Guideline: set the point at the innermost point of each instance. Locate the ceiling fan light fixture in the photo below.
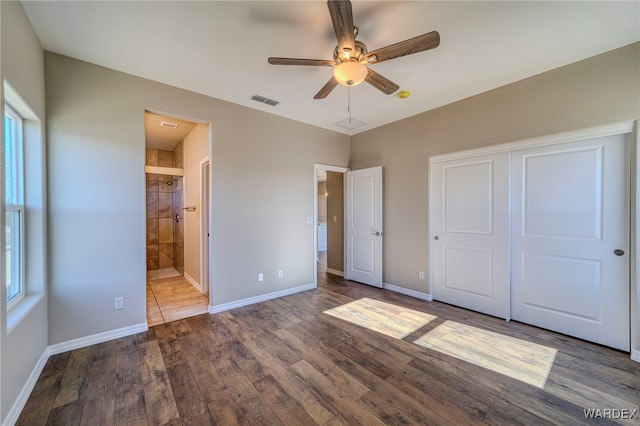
(350, 73)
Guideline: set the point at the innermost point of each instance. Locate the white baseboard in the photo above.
(193, 282)
(23, 396)
(214, 309)
(635, 355)
(335, 272)
(81, 342)
(408, 292)
(58, 348)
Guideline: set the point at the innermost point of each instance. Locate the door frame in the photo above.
(329, 168)
(619, 128)
(205, 206)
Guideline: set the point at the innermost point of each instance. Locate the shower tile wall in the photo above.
(178, 204)
(164, 250)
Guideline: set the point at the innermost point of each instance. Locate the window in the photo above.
(14, 205)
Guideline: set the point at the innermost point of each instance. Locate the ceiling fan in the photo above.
(351, 57)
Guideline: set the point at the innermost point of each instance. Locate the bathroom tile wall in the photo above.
(164, 192)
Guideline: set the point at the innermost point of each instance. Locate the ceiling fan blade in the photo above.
(295, 61)
(342, 18)
(326, 89)
(381, 83)
(413, 45)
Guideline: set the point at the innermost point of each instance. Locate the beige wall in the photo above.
(335, 228)
(196, 148)
(261, 194)
(597, 91)
(22, 67)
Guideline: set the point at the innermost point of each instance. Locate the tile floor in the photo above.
(171, 297)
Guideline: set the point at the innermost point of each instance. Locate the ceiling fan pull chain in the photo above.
(349, 102)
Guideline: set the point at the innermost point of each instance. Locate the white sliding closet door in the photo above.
(570, 239)
(470, 233)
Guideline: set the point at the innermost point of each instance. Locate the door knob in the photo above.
(618, 252)
(377, 234)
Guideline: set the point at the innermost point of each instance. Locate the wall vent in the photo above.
(264, 100)
(168, 124)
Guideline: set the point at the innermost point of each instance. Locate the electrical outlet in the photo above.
(118, 303)
(421, 275)
(280, 273)
(260, 276)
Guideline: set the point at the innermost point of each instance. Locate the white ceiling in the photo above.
(220, 48)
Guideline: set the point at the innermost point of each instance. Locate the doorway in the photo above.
(174, 150)
(328, 221)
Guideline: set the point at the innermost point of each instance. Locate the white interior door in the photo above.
(470, 233)
(364, 226)
(570, 215)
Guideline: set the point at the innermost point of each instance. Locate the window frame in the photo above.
(16, 204)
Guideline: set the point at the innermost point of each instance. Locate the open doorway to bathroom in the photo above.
(175, 287)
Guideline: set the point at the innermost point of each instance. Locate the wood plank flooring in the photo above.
(173, 298)
(344, 353)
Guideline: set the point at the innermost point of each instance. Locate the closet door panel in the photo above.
(470, 231)
(569, 216)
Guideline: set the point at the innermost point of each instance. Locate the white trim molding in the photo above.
(635, 355)
(157, 170)
(408, 292)
(553, 139)
(82, 342)
(23, 396)
(327, 168)
(193, 282)
(58, 348)
(18, 312)
(214, 309)
(205, 221)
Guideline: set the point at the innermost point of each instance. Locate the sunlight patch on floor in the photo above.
(525, 361)
(386, 318)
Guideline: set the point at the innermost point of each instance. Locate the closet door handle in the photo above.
(618, 252)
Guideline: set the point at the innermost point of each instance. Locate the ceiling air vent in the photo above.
(264, 100)
(168, 124)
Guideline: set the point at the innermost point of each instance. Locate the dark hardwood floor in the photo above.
(345, 353)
